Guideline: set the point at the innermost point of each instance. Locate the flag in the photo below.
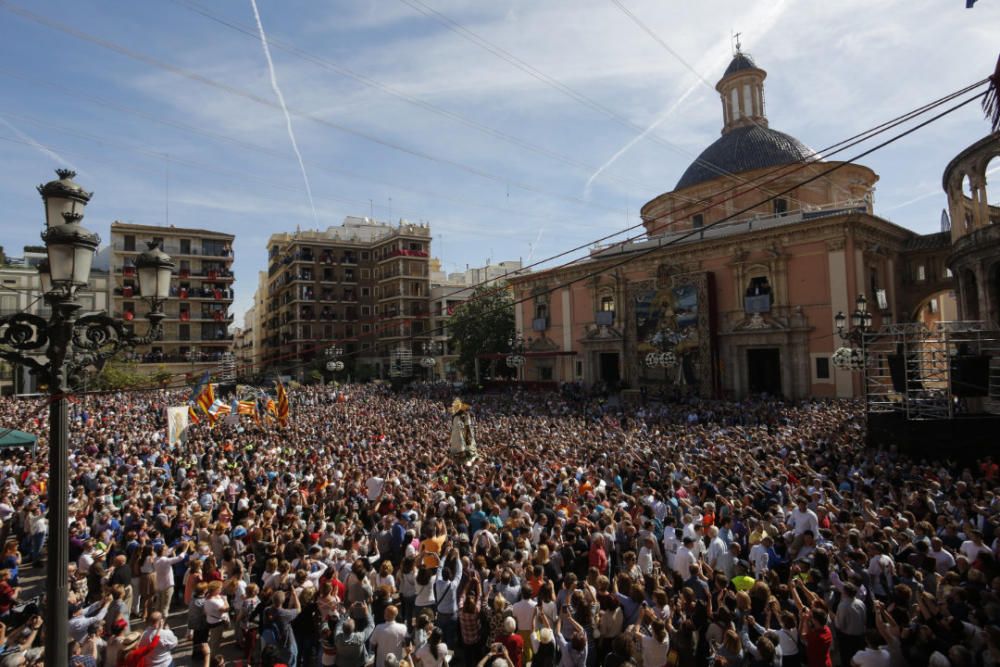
(206, 398)
(177, 424)
(282, 405)
(198, 386)
(246, 408)
(192, 415)
(218, 409)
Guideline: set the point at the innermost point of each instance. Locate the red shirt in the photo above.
(818, 643)
(515, 646)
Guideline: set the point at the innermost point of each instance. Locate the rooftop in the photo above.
(744, 149)
(118, 226)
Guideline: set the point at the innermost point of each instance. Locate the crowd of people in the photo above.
(585, 533)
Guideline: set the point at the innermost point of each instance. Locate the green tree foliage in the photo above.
(482, 325)
(120, 375)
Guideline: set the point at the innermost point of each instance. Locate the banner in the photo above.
(177, 425)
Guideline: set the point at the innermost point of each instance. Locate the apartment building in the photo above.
(448, 292)
(363, 286)
(196, 327)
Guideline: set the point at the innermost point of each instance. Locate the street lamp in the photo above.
(515, 359)
(852, 356)
(71, 344)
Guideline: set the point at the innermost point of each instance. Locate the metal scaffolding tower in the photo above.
(910, 367)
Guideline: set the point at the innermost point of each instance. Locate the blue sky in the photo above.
(435, 127)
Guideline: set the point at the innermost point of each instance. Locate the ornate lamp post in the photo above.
(69, 344)
(333, 364)
(431, 349)
(515, 359)
(852, 356)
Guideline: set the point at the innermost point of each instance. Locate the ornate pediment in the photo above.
(602, 333)
(759, 322)
(542, 345)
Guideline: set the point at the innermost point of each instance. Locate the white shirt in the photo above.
(160, 656)
(427, 660)
(374, 485)
(654, 653)
(803, 521)
(758, 559)
(715, 549)
(683, 562)
(215, 609)
(524, 614)
(670, 546)
(388, 638)
(164, 568)
(871, 657)
(971, 550)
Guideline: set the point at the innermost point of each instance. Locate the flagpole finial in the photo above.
(737, 44)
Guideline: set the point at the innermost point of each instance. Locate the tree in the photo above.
(482, 325)
(118, 375)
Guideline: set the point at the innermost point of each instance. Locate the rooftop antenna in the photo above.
(737, 45)
(166, 189)
(390, 209)
(371, 208)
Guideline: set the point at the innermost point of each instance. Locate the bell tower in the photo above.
(742, 92)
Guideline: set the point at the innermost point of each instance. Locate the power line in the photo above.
(537, 74)
(239, 92)
(341, 70)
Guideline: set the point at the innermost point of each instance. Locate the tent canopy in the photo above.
(12, 438)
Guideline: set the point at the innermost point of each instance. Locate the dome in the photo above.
(741, 61)
(744, 149)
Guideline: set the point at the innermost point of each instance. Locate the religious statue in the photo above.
(463, 436)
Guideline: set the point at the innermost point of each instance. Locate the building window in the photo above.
(365, 292)
(545, 373)
(579, 368)
(932, 306)
(185, 246)
(129, 242)
(608, 303)
(921, 272)
(697, 221)
(366, 311)
(366, 274)
(822, 368)
(365, 255)
(780, 206)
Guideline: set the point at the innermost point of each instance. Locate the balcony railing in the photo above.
(759, 303)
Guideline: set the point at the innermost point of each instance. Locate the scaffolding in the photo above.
(909, 367)
(401, 362)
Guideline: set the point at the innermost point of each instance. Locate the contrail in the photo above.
(534, 246)
(930, 193)
(762, 28)
(42, 149)
(284, 107)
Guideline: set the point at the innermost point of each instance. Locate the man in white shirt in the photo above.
(374, 485)
(670, 543)
(164, 568)
(759, 557)
(974, 546)
(800, 520)
(716, 548)
(684, 560)
(945, 561)
(160, 655)
(389, 637)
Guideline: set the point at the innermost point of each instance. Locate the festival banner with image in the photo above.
(177, 424)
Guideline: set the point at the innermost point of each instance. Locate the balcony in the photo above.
(175, 251)
(759, 303)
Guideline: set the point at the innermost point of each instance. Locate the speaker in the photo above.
(897, 370)
(970, 375)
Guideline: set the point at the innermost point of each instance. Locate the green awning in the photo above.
(11, 438)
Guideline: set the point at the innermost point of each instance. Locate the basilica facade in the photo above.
(735, 286)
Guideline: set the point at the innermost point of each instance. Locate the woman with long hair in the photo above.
(435, 652)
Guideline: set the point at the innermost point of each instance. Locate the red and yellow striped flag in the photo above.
(282, 405)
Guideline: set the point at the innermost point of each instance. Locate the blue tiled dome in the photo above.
(744, 149)
(740, 61)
